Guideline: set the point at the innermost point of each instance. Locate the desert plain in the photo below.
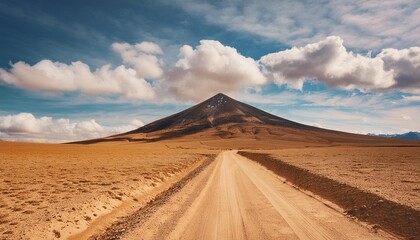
(51, 190)
(61, 191)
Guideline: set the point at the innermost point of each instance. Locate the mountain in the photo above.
(215, 111)
(408, 135)
(221, 121)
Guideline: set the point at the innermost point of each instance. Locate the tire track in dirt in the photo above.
(119, 228)
(237, 198)
(365, 206)
(242, 200)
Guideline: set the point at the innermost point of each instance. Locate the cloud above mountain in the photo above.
(211, 68)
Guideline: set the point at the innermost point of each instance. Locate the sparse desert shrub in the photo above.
(56, 233)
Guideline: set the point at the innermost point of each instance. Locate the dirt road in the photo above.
(235, 198)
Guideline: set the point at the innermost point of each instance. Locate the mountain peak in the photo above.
(216, 102)
(219, 95)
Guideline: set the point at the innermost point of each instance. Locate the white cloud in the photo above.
(328, 61)
(149, 47)
(26, 127)
(365, 24)
(211, 68)
(77, 76)
(405, 64)
(142, 56)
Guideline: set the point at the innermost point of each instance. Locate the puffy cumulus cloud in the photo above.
(211, 68)
(142, 56)
(405, 64)
(77, 76)
(328, 61)
(26, 127)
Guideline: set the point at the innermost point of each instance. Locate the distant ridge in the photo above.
(407, 136)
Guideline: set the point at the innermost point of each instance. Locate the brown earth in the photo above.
(365, 206)
(50, 190)
(235, 198)
(120, 227)
(390, 172)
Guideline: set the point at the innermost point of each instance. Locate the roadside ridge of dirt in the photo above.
(119, 228)
(365, 206)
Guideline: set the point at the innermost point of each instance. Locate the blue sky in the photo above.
(85, 69)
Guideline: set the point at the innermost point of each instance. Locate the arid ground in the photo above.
(390, 172)
(181, 190)
(52, 190)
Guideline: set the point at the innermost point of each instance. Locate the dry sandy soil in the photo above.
(164, 190)
(390, 172)
(236, 198)
(49, 191)
(354, 202)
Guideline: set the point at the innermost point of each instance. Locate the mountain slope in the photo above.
(221, 121)
(217, 110)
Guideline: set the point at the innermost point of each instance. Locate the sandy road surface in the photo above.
(235, 198)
